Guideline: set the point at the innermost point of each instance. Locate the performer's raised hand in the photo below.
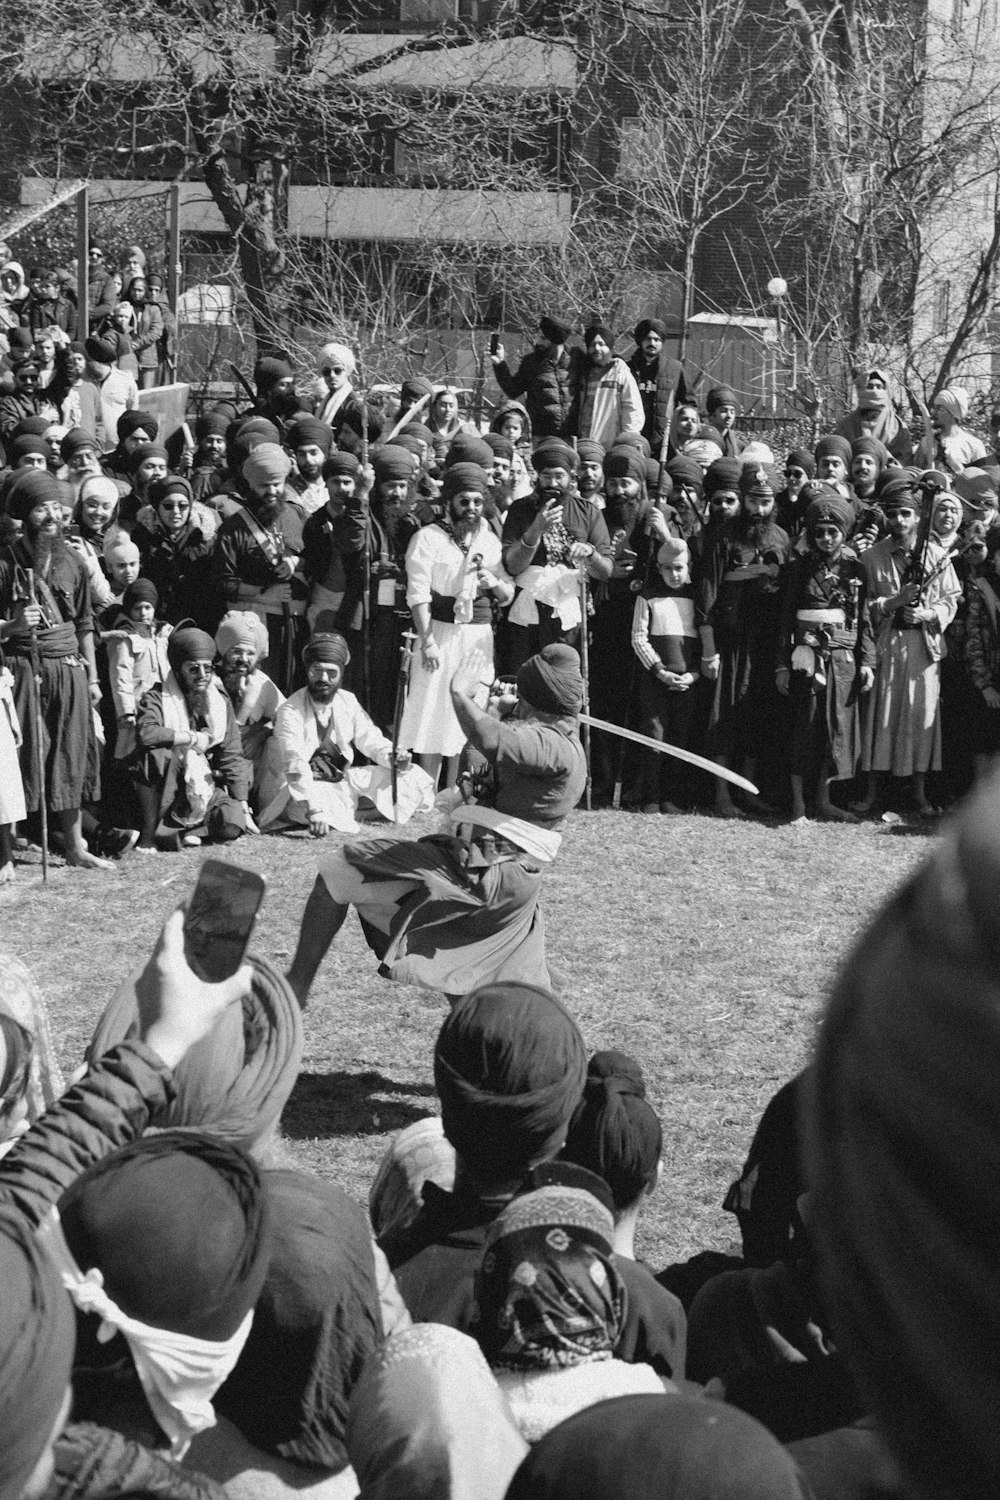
(475, 672)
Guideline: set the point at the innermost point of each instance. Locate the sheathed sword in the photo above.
(402, 685)
(663, 748)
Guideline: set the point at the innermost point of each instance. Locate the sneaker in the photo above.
(191, 841)
(115, 843)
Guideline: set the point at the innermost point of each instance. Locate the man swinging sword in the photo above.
(460, 908)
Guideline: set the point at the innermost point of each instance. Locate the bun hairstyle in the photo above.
(614, 1131)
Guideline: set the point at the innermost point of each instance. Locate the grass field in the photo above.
(704, 948)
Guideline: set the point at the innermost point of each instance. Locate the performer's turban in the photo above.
(552, 681)
(212, 424)
(685, 472)
(509, 1067)
(633, 440)
(239, 627)
(37, 1338)
(266, 462)
(873, 448)
(414, 389)
(268, 371)
(898, 487)
(391, 464)
(589, 452)
(904, 1147)
(467, 448)
(502, 447)
(327, 646)
(759, 479)
(188, 643)
(801, 458)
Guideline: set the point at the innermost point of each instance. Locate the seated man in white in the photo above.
(317, 731)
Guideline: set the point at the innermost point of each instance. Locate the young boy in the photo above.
(590, 474)
(722, 409)
(137, 658)
(665, 639)
(826, 656)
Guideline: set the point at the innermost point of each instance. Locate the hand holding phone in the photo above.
(220, 918)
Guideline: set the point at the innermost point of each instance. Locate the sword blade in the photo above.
(722, 772)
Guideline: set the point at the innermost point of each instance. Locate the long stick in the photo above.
(402, 687)
(244, 382)
(663, 748)
(36, 667)
(366, 606)
(585, 718)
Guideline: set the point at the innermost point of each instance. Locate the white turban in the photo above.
(337, 354)
(954, 399)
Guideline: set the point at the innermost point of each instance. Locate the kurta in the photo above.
(68, 743)
(451, 913)
(825, 611)
(903, 719)
(442, 574)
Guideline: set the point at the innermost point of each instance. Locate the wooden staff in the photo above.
(585, 669)
(36, 667)
(366, 598)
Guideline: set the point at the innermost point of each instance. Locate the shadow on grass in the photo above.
(330, 1104)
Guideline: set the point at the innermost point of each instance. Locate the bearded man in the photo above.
(317, 732)
(276, 398)
(192, 779)
(461, 909)
(47, 628)
(738, 607)
(256, 560)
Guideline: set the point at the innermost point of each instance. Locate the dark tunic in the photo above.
(68, 744)
(369, 549)
(738, 595)
(435, 1261)
(824, 707)
(158, 765)
(582, 522)
(244, 572)
(181, 568)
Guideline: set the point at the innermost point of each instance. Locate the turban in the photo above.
(411, 444)
(170, 484)
(551, 680)
(758, 479)
(872, 401)
(872, 447)
(21, 447)
(704, 451)
(337, 354)
(391, 463)
(28, 488)
(137, 421)
(675, 1447)
(414, 389)
(500, 446)
(903, 1147)
(720, 395)
(633, 440)
(651, 469)
(553, 453)
(830, 509)
(259, 428)
(555, 329)
(466, 447)
(458, 478)
(188, 643)
(75, 441)
(327, 646)
(589, 452)
(672, 550)
(801, 458)
(37, 1338)
(143, 591)
(268, 371)
(140, 1216)
(649, 325)
(306, 431)
(898, 487)
(33, 427)
(625, 463)
(598, 331)
(342, 463)
(723, 474)
(241, 628)
(266, 462)
(954, 399)
(146, 450)
(614, 1132)
(684, 471)
(977, 491)
(832, 445)
(212, 424)
(420, 431)
(101, 350)
(509, 1068)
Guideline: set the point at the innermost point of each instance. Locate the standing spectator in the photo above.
(14, 292)
(608, 400)
(955, 447)
(666, 643)
(660, 379)
(789, 507)
(310, 441)
(147, 332)
(102, 294)
(44, 355)
(45, 308)
(176, 555)
(167, 340)
(335, 394)
(722, 408)
(833, 462)
(25, 400)
(546, 377)
(326, 537)
(105, 392)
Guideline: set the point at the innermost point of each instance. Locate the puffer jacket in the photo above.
(549, 387)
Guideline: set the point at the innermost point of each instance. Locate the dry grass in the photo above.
(703, 948)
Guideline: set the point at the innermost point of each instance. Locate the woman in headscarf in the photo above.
(444, 421)
(427, 1418)
(14, 292)
(550, 1307)
(670, 1448)
(176, 554)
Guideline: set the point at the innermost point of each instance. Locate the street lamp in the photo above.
(777, 287)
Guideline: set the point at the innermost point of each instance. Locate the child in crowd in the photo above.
(666, 641)
(137, 658)
(722, 409)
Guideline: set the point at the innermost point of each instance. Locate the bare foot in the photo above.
(728, 809)
(798, 810)
(829, 812)
(7, 874)
(927, 810)
(84, 860)
(671, 808)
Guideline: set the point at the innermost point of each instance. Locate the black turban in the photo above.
(723, 474)
(342, 463)
(499, 446)
(188, 643)
(898, 487)
(458, 478)
(467, 448)
(615, 1132)
(649, 325)
(830, 509)
(37, 1339)
(177, 1224)
(28, 488)
(414, 389)
(391, 463)
(103, 351)
(556, 329)
(903, 1145)
(146, 450)
(832, 445)
(327, 646)
(212, 424)
(509, 1067)
(305, 431)
(25, 444)
(684, 471)
(598, 330)
(268, 371)
(651, 469)
(759, 479)
(552, 681)
(553, 453)
(633, 440)
(33, 427)
(74, 442)
(419, 430)
(589, 452)
(801, 458)
(625, 463)
(137, 421)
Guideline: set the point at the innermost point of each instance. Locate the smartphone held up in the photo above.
(220, 918)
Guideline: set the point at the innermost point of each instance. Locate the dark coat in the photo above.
(549, 387)
(662, 384)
